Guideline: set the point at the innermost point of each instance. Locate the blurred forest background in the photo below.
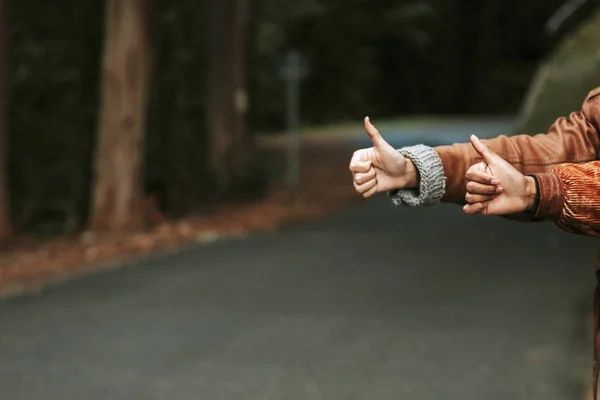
(112, 107)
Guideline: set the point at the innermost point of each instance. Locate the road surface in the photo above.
(435, 132)
(373, 303)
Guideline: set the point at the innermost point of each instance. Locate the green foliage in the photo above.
(53, 103)
(564, 79)
(176, 140)
(393, 57)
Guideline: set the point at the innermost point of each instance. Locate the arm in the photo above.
(569, 195)
(572, 139)
(438, 174)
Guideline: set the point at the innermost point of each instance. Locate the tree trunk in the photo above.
(126, 71)
(5, 225)
(227, 92)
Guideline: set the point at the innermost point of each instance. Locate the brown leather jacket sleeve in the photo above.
(572, 139)
(570, 196)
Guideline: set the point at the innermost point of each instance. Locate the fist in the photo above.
(495, 187)
(380, 168)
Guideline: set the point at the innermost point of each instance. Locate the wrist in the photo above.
(530, 193)
(410, 180)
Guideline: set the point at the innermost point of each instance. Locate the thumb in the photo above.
(484, 151)
(373, 133)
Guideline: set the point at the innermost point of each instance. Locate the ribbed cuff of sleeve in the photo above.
(432, 182)
(552, 196)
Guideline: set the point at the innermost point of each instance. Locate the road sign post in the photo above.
(293, 72)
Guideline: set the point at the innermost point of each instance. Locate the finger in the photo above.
(477, 208)
(373, 133)
(365, 187)
(478, 188)
(484, 151)
(476, 175)
(361, 177)
(478, 198)
(359, 166)
(370, 192)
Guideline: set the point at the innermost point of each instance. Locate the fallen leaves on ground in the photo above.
(325, 187)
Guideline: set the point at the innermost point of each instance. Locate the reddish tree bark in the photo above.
(126, 70)
(5, 225)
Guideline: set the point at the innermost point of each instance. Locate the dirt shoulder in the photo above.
(325, 187)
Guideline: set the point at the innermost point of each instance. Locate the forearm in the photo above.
(573, 140)
(569, 140)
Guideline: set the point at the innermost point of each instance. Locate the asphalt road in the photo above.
(374, 303)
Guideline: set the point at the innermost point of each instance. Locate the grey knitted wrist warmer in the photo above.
(432, 184)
